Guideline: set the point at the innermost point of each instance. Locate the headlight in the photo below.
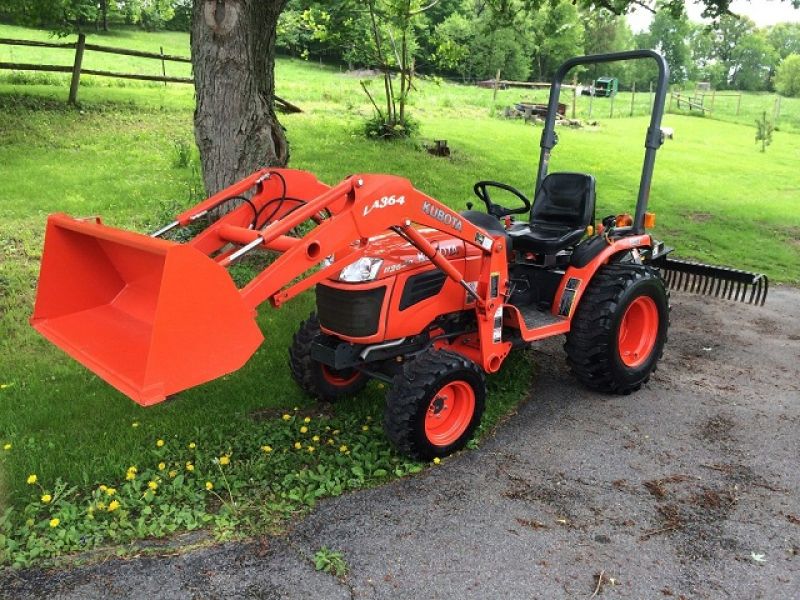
(364, 269)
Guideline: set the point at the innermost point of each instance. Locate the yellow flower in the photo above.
(162, 466)
(311, 448)
(286, 417)
(209, 486)
(32, 479)
(130, 476)
(224, 460)
(55, 522)
(101, 506)
(173, 474)
(365, 428)
(113, 505)
(159, 443)
(369, 418)
(437, 460)
(298, 445)
(47, 498)
(307, 420)
(304, 429)
(152, 485)
(192, 445)
(335, 432)
(330, 441)
(135, 424)
(133, 469)
(111, 491)
(6, 447)
(315, 438)
(29, 522)
(381, 386)
(102, 487)
(189, 467)
(342, 448)
(267, 448)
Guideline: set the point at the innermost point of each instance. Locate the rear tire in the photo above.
(314, 378)
(434, 404)
(619, 329)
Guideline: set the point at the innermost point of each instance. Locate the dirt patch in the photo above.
(700, 217)
(717, 429)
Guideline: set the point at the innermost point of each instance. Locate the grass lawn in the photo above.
(716, 198)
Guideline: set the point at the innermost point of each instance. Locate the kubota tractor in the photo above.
(408, 291)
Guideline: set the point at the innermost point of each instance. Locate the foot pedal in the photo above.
(711, 280)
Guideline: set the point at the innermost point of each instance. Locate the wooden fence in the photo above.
(80, 46)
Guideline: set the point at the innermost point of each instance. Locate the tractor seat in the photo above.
(488, 223)
(562, 210)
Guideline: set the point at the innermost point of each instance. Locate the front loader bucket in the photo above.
(149, 316)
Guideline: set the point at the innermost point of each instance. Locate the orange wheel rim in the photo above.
(449, 413)
(338, 378)
(638, 331)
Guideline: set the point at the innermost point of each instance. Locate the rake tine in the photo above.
(754, 285)
(766, 289)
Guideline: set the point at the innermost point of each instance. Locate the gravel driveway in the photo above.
(687, 489)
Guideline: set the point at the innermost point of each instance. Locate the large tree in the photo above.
(233, 57)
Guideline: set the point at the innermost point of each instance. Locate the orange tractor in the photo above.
(408, 291)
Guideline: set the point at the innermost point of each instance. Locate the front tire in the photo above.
(315, 378)
(619, 329)
(434, 404)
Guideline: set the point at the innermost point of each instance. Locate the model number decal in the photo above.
(384, 202)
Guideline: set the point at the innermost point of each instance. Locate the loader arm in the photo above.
(153, 317)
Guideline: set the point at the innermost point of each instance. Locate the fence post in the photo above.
(76, 69)
(633, 96)
(163, 64)
(574, 93)
(670, 99)
(713, 95)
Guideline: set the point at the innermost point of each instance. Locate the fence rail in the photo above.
(80, 46)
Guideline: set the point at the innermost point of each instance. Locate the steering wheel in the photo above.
(496, 210)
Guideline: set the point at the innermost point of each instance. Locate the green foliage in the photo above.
(787, 77)
(668, 35)
(330, 561)
(377, 127)
(764, 129)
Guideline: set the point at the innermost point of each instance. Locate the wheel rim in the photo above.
(449, 413)
(339, 378)
(638, 331)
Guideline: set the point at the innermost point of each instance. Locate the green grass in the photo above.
(716, 197)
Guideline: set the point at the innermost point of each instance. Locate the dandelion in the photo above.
(365, 428)
(101, 506)
(369, 418)
(297, 445)
(304, 429)
(173, 474)
(162, 466)
(267, 448)
(311, 448)
(189, 467)
(342, 448)
(152, 485)
(135, 424)
(192, 445)
(102, 487)
(330, 442)
(32, 479)
(437, 460)
(286, 417)
(110, 491)
(29, 522)
(209, 486)
(381, 385)
(159, 443)
(113, 505)
(6, 447)
(130, 476)
(55, 522)
(47, 498)
(132, 469)
(336, 432)
(307, 420)
(224, 460)
(315, 438)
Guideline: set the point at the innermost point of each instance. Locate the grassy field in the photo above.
(716, 198)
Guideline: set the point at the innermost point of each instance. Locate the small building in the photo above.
(605, 87)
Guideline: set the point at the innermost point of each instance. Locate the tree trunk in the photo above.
(104, 13)
(233, 59)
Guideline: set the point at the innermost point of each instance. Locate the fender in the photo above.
(576, 278)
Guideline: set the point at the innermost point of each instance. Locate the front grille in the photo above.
(355, 313)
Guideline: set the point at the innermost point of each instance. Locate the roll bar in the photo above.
(652, 142)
